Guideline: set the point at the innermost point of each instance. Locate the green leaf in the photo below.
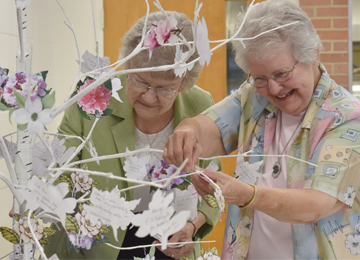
(20, 99)
(81, 207)
(17, 217)
(10, 113)
(48, 231)
(22, 127)
(6, 71)
(108, 84)
(48, 101)
(44, 241)
(10, 235)
(98, 237)
(212, 201)
(4, 107)
(214, 251)
(107, 112)
(185, 258)
(152, 251)
(104, 229)
(202, 251)
(43, 74)
(83, 113)
(96, 184)
(137, 258)
(66, 179)
(71, 225)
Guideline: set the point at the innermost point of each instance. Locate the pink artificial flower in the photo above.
(150, 40)
(163, 31)
(96, 100)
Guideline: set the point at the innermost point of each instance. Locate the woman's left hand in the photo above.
(184, 235)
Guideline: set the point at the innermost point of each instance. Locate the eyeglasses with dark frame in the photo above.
(142, 87)
(280, 76)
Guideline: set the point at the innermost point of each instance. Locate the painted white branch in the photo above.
(8, 161)
(71, 27)
(159, 244)
(43, 256)
(46, 215)
(18, 196)
(77, 150)
(109, 175)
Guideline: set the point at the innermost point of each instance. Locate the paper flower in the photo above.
(82, 181)
(162, 170)
(96, 101)
(160, 33)
(179, 55)
(202, 43)
(116, 86)
(20, 83)
(21, 227)
(80, 241)
(87, 227)
(34, 116)
(213, 254)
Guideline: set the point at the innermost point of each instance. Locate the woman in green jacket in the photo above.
(154, 103)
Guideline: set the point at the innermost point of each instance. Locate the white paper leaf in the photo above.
(212, 167)
(11, 147)
(90, 62)
(247, 172)
(41, 156)
(185, 200)
(179, 55)
(116, 86)
(158, 221)
(136, 167)
(48, 197)
(111, 209)
(202, 43)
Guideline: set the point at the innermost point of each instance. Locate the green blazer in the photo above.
(113, 134)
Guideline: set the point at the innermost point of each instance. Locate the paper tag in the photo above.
(158, 220)
(247, 172)
(136, 167)
(48, 197)
(110, 208)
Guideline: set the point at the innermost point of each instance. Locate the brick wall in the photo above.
(330, 18)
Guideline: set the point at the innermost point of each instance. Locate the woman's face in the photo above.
(293, 96)
(151, 105)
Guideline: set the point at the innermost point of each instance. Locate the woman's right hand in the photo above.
(183, 143)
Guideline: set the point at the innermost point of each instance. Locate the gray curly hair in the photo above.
(302, 37)
(162, 55)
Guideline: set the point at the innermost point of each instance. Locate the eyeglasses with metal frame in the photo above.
(280, 76)
(142, 87)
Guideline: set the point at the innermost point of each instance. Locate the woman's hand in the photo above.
(184, 235)
(181, 145)
(233, 190)
(192, 138)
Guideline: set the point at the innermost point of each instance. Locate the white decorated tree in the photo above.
(38, 159)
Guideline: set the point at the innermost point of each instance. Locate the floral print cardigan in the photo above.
(329, 138)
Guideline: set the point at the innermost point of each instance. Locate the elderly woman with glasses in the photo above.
(153, 104)
(297, 195)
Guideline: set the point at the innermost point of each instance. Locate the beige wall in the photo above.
(53, 50)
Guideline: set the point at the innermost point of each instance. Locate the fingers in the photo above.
(181, 145)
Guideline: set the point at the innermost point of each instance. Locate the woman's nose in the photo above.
(274, 87)
(150, 95)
